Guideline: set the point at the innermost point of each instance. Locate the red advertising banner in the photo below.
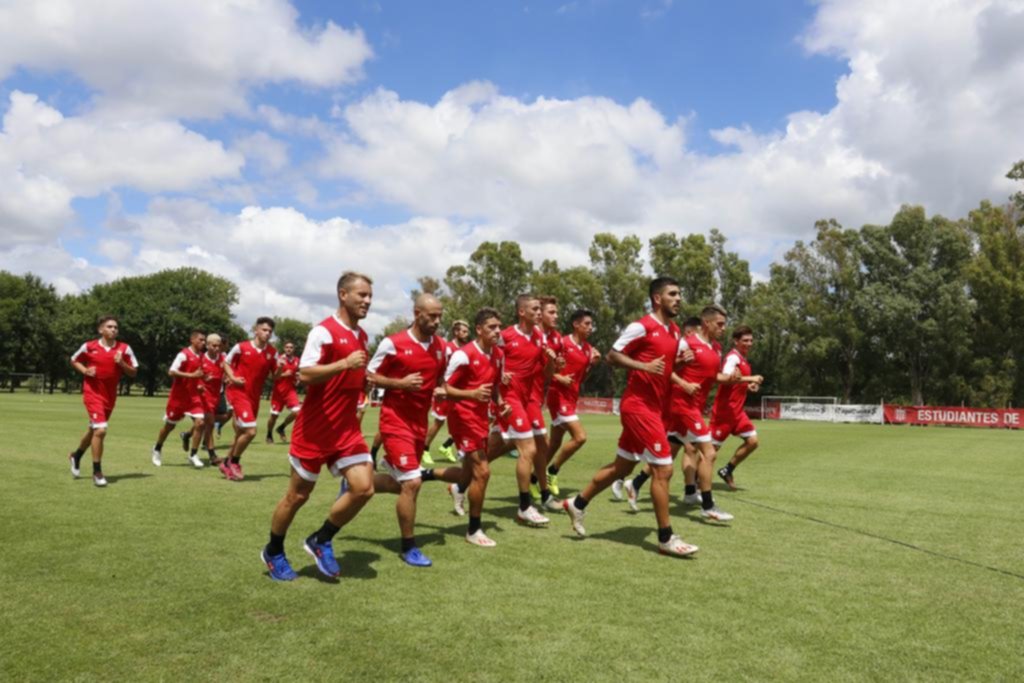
(592, 405)
(1010, 418)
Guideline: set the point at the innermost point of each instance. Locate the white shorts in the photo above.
(335, 469)
(194, 416)
(742, 435)
(690, 437)
(565, 419)
(646, 457)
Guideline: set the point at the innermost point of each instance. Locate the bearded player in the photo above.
(246, 368)
(186, 397)
(727, 416)
(284, 395)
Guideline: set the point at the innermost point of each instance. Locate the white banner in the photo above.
(872, 413)
(831, 412)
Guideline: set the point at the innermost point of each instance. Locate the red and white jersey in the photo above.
(552, 340)
(703, 369)
(253, 364)
(470, 368)
(405, 413)
(183, 388)
(213, 373)
(524, 360)
(646, 340)
(577, 362)
(731, 398)
(94, 354)
(450, 347)
(328, 418)
(287, 364)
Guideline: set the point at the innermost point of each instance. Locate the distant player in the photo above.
(213, 380)
(459, 337)
(408, 366)
(246, 368)
(564, 392)
(101, 363)
(552, 340)
(186, 397)
(327, 433)
(284, 396)
(728, 416)
(648, 349)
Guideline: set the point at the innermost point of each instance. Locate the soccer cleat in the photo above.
(617, 489)
(225, 468)
(236, 471)
(214, 460)
(676, 547)
(458, 499)
(156, 457)
(530, 517)
(99, 480)
(553, 484)
(185, 438)
(425, 459)
(270, 440)
(553, 504)
(449, 453)
(630, 494)
(416, 558)
(196, 462)
(691, 499)
(576, 515)
(280, 434)
(479, 538)
(75, 470)
(716, 514)
(280, 569)
(727, 478)
(323, 554)
(535, 492)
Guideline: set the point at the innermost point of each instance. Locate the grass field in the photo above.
(857, 553)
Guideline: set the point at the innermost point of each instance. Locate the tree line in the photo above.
(923, 310)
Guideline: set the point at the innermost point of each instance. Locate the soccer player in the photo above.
(471, 384)
(526, 362)
(459, 337)
(327, 433)
(552, 341)
(246, 368)
(213, 380)
(186, 397)
(648, 349)
(409, 366)
(689, 397)
(564, 392)
(728, 416)
(286, 378)
(101, 363)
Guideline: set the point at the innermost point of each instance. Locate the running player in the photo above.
(333, 368)
(286, 378)
(101, 363)
(186, 397)
(647, 348)
(459, 337)
(552, 340)
(213, 380)
(409, 366)
(564, 392)
(689, 397)
(246, 368)
(728, 416)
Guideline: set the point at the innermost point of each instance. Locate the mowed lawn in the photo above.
(857, 553)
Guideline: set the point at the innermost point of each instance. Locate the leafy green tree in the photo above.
(732, 276)
(690, 260)
(28, 342)
(617, 266)
(495, 274)
(290, 329)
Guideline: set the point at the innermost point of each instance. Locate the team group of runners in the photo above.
(490, 391)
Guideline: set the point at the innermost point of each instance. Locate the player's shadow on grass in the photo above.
(355, 564)
(258, 477)
(114, 478)
(633, 536)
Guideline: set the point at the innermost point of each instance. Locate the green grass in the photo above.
(158, 577)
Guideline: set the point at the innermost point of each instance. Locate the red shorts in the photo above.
(284, 399)
(352, 451)
(466, 438)
(210, 401)
(244, 408)
(439, 409)
(688, 425)
(99, 410)
(738, 425)
(644, 438)
(402, 455)
(182, 407)
(524, 422)
(562, 409)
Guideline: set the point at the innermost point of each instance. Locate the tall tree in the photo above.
(292, 330)
(690, 260)
(732, 276)
(28, 308)
(618, 268)
(495, 274)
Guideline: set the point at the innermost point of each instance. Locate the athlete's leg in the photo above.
(577, 439)
(294, 498)
(432, 431)
(661, 475)
(744, 451)
(359, 493)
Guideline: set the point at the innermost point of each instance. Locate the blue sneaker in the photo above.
(278, 565)
(323, 553)
(416, 558)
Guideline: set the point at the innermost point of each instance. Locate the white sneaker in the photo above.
(530, 517)
(692, 499)
(617, 489)
(553, 504)
(676, 547)
(576, 515)
(630, 494)
(481, 539)
(156, 458)
(716, 514)
(196, 462)
(99, 480)
(75, 470)
(458, 501)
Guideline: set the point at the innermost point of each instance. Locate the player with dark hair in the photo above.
(327, 433)
(648, 349)
(728, 416)
(246, 367)
(101, 363)
(284, 396)
(458, 337)
(213, 381)
(186, 397)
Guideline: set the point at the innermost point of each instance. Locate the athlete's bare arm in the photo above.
(317, 374)
(655, 367)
